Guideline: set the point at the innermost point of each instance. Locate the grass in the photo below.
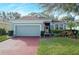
(59, 46)
(3, 38)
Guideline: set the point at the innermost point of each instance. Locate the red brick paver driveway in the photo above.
(20, 46)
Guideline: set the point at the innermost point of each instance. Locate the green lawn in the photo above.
(59, 46)
(3, 38)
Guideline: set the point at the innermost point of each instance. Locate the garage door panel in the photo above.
(28, 30)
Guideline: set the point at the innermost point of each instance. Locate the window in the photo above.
(56, 26)
(52, 27)
(61, 26)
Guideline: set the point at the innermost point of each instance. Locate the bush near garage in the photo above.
(3, 35)
(10, 33)
(2, 31)
(42, 33)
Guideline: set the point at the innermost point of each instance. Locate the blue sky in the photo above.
(22, 8)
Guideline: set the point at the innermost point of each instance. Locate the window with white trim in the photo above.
(56, 26)
(61, 26)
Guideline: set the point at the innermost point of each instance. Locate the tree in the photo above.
(46, 15)
(70, 21)
(71, 25)
(16, 15)
(4, 15)
(10, 15)
(41, 14)
(68, 18)
(67, 7)
(33, 14)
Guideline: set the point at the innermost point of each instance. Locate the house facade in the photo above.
(33, 27)
(58, 25)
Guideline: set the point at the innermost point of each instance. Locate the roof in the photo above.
(28, 17)
(58, 21)
(30, 21)
(36, 21)
(32, 18)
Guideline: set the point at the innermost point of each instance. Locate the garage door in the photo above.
(27, 30)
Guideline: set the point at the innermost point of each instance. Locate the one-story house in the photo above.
(33, 27)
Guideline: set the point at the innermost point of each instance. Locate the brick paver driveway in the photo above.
(20, 46)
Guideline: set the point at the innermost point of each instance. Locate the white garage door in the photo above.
(27, 30)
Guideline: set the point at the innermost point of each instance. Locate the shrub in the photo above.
(42, 33)
(78, 34)
(10, 33)
(2, 31)
(57, 31)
